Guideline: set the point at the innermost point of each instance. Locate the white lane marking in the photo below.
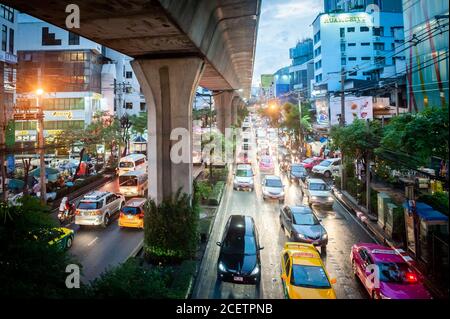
(93, 241)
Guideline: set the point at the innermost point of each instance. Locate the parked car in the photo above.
(303, 273)
(302, 225)
(317, 192)
(273, 188)
(327, 167)
(132, 214)
(297, 172)
(266, 164)
(310, 162)
(97, 208)
(396, 278)
(239, 259)
(243, 177)
(60, 237)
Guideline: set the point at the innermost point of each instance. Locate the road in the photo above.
(97, 249)
(343, 231)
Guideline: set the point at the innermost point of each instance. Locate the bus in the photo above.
(133, 183)
(132, 162)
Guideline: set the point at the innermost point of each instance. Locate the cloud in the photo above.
(282, 24)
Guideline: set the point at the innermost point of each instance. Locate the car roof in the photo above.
(241, 224)
(136, 202)
(134, 173)
(272, 177)
(243, 166)
(332, 159)
(316, 180)
(303, 254)
(301, 209)
(95, 195)
(382, 253)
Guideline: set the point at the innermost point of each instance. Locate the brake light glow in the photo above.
(411, 277)
(141, 215)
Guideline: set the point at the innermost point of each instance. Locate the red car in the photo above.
(310, 162)
(385, 273)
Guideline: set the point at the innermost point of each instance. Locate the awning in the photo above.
(427, 213)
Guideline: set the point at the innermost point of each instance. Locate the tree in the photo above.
(139, 123)
(410, 140)
(298, 127)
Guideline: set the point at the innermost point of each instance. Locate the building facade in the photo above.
(301, 71)
(426, 25)
(339, 6)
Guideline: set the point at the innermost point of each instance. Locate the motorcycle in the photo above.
(66, 215)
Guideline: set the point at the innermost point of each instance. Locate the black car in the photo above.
(297, 172)
(303, 226)
(239, 260)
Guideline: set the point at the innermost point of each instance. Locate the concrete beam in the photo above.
(223, 106)
(169, 87)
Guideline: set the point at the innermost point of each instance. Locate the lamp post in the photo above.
(40, 129)
(125, 124)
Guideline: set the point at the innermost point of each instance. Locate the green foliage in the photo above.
(411, 139)
(131, 280)
(171, 229)
(29, 266)
(216, 194)
(439, 201)
(202, 190)
(139, 123)
(358, 139)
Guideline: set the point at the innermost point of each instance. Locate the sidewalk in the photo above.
(370, 222)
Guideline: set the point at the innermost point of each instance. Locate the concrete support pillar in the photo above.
(234, 107)
(223, 103)
(169, 87)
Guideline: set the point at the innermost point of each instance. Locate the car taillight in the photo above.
(411, 277)
(141, 215)
(121, 214)
(98, 212)
(77, 212)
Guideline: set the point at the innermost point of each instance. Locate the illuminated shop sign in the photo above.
(344, 18)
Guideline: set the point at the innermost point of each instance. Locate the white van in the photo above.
(133, 183)
(132, 162)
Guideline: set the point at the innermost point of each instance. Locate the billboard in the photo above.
(266, 80)
(322, 114)
(360, 107)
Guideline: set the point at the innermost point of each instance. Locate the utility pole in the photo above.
(342, 123)
(300, 131)
(40, 129)
(396, 99)
(368, 175)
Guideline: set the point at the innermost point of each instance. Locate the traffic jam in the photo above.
(381, 272)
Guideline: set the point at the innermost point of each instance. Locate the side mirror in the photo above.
(284, 277)
(333, 281)
(219, 243)
(261, 248)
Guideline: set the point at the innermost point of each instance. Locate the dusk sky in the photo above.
(282, 24)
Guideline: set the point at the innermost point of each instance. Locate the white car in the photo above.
(317, 192)
(273, 188)
(97, 208)
(243, 177)
(327, 167)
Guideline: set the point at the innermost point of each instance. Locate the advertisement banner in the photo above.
(266, 80)
(360, 107)
(323, 117)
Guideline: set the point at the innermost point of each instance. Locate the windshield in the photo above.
(130, 210)
(309, 277)
(127, 181)
(244, 173)
(393, 272)
(305, 219)
(126, 164)
(89, 205)
(317, 187)
(273, 183)
(325, 163)
(297, 168)
(308, 161)
(266, 160)
(243, 245)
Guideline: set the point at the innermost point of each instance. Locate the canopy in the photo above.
(16, 184)
(48, 171)
(427, 213)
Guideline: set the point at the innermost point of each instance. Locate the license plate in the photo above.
(238, 279)
(130, 216)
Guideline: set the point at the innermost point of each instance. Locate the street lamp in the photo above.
(40, 129)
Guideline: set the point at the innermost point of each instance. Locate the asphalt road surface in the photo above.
(97, 249)
(343, 231)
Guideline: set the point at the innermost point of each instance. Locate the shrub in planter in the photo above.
(202, 190)
(216, 194)
(171, 229)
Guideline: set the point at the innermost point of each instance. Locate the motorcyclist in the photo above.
(65, 206)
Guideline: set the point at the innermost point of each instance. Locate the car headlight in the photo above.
(325, 236)
(301, 236)
(255, 271)
(222, 267)
(313, 197)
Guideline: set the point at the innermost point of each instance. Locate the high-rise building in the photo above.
(426, 26)
(302, 68)
(339, 6)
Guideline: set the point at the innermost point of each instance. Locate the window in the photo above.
(378, 31)
(62, 125)
(74, 39)
(317, 37)
(4, 37)
(343, 61)
(143, 106)
(342, 32)
(128, 105)
(286, 263)
(352, 58)
(354, 73)
(365, 44)
(318, 64)
(378, 46)
(350, 29)
(364, 29)
(342, 46)
(11, 41)
(7, 13)
(352, 44)
(129, 74)
(365, 58)
(49, 38)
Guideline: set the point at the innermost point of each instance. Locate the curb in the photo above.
(136, 250)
